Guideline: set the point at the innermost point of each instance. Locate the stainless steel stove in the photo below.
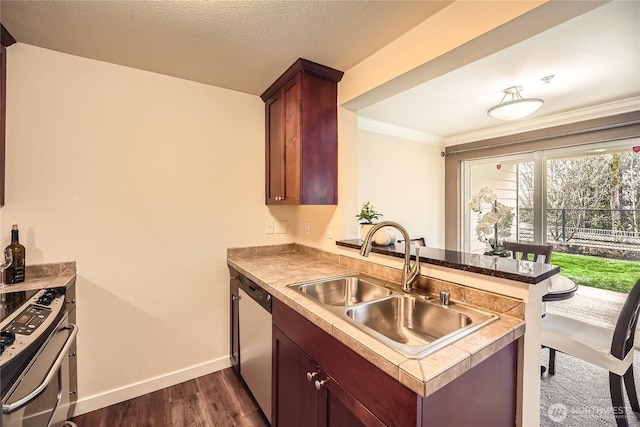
(37, 357)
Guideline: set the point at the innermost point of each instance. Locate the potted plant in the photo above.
(367, 218)
(494, 223)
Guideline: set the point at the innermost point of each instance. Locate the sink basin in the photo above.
(343, 291)
(409, 321)
(412, 324)
(414, 327)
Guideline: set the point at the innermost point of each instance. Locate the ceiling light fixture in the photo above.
(515, 108)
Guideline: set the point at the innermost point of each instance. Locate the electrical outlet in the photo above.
(330, 231)
(307, 228)
(282, 227)
(269, 227)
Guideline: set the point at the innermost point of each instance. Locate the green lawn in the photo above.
(603, 273)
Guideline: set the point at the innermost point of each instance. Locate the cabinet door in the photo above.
(294, 397)
(283, 145)
(338, 408)
(274, 150)
(3, 95)
(292, 105)
(234, 351)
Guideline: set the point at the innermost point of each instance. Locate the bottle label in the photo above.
(18, 274)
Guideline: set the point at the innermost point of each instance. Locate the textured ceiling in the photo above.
(246, 45)
(239, 45)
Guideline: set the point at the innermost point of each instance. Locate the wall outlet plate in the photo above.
(269, 227)
(282, 227)
(307, 228)
(330, 231)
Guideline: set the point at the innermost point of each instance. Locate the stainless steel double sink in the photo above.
(413, 324)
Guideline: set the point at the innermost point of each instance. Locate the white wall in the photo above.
(405, 179)
(144, 180)
(341, 217)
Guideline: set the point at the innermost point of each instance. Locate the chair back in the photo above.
(624, 333)
(416, 242)
(526, 249)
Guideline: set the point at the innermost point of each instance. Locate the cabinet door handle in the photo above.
(234, 297)
(320, 384)
(311, 375)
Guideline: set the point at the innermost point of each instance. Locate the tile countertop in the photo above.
(505, 268)
(275, 268)
(43, 276)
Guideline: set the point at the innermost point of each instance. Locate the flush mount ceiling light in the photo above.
(515, 108)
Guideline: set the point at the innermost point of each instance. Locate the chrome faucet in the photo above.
(409, 273)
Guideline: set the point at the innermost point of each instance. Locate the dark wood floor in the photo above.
(218, 399)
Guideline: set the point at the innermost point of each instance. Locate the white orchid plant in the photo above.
(368, 213)
(494, 220)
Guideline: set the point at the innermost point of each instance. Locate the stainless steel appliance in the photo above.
(37, 357)
(255, 342)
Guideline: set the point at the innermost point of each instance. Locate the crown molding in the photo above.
(597, 111)
(385, 128)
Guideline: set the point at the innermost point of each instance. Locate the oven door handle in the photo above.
(12, 407)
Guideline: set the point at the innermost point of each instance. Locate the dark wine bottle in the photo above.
(15, 273)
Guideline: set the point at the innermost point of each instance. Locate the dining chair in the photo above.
(526, 249)
(416, 242)
(610, 350)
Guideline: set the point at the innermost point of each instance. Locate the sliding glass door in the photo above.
(593, 201)
(583, 199)
(513, 180)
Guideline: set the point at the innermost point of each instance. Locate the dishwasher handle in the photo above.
(256, 292)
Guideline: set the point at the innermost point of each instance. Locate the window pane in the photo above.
(502, 179)
(592, 203)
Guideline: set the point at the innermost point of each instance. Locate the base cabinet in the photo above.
(318, 381)
(306, 395)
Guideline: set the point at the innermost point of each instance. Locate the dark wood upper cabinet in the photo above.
(301, 111)
(5, 40)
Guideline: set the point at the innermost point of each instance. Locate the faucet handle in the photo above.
(444, 297)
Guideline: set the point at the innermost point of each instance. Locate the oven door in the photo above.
(40, 397)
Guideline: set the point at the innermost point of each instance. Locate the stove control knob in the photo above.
(47, 297)
(44, 300)
(7, 337)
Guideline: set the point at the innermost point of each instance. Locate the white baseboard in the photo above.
(102, 400)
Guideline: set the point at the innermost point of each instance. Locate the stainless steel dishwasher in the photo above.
(255, 342)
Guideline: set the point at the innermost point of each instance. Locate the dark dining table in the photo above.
(560, 288)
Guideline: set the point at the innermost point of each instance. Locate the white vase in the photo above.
(383, 237)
